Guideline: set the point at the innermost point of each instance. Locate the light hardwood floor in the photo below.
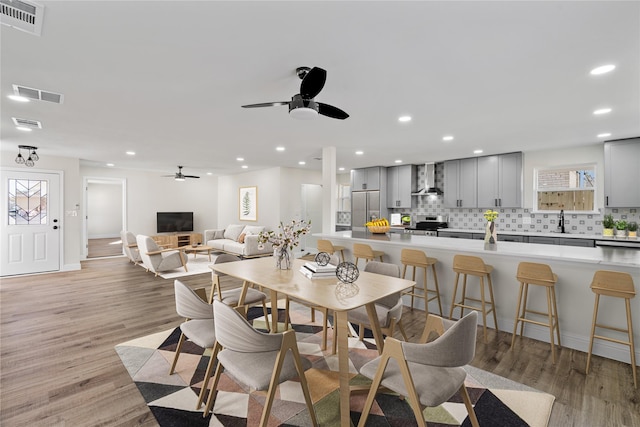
(58, 366)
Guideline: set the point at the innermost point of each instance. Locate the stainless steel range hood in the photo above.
(430, 180)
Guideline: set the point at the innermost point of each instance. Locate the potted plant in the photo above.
(633, 229)
(621, 228)
(607, 225)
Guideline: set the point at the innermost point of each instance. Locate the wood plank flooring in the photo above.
(98, 248)
(58, 366)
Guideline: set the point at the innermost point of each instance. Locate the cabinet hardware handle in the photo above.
(607, 200)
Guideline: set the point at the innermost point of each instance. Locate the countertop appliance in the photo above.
(430, 225)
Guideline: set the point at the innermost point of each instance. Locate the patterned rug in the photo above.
(171, 398)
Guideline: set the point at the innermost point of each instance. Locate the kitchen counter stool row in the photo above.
(605, 283)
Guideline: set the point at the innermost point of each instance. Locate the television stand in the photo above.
(177, 240)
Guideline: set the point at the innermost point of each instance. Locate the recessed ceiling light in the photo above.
(245, 166)
(603, 135)
(602, 111)
(24, 129)
(398, 161)
(447, 138)
(340, 169)
(131, 153)
(110, 165)
(279, 148)
(359, 153)
(302, 163)
(240, 159)
(603, 69)
(209, 173)
(477, 151)
(18, 98)
(404, 118)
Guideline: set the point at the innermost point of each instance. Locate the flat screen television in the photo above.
(169, 222)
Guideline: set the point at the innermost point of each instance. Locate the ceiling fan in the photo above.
(302, 105)
(179, 176)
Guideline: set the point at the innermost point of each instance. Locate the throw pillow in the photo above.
(241, 238)
(233, 231)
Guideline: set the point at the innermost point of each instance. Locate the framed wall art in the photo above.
(248, 203)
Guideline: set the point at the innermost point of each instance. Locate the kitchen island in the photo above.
(574, 266)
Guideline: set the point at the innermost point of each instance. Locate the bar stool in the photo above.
(618, 285)
(330, 248)
(361, 250)
(530, 273)
(474, 266)
(418, 259)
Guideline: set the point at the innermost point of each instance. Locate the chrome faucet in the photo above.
(561, 221)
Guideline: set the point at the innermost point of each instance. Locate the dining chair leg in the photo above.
(175, 358)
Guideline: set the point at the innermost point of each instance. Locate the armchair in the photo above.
(158, 260)
(130, 246)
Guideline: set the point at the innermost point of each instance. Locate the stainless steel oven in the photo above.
(430, 225)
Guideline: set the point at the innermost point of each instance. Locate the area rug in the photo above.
(172, 398)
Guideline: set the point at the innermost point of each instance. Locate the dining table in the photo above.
(330, 293)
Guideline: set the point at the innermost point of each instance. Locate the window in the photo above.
(27, 202)
(571, 188)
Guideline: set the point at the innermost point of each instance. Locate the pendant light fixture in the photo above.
(32, 156)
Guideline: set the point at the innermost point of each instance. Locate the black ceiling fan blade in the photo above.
(331, 111)
(266, 104)
(313, 83)
(190, 176)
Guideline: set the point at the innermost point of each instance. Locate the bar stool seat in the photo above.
(364, 251)
(530, 273)
(617, 285)
(474, 266)
(418, 259)
(330, 248)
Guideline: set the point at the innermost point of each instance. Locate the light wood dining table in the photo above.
(320, 292)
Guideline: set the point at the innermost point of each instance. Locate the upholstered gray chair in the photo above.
(388, 309)
(427, 373)
(232, 296)
(259, 360)
(130, 246)
(159, 260)
(198, 327)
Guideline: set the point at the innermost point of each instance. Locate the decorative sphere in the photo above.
(347, 272)
(323, 258)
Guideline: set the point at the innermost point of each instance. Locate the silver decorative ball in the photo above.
(347, 272)
(323, 258)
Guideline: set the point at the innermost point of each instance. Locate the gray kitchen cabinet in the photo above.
(543, 240)
(401, 182)
(585, 243)
(621, 173)
(460, 183)
(510, 238)
(455, 234)
(367, 178)
(500, 181)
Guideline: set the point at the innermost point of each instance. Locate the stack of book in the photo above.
(314, 271)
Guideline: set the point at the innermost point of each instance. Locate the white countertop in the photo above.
(605, 256)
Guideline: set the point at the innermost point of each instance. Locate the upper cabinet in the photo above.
(621, 173)
(460, 183)
(401, 182)
(367, 178)
(500, 181)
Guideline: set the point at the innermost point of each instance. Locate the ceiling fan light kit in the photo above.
(302, 105)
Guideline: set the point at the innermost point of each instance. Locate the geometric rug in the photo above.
(172, 398)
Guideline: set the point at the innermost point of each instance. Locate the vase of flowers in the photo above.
(491, 233)
(284, 241)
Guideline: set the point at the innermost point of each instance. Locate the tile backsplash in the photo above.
(509, 218)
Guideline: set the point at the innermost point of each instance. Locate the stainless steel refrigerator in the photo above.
(366, 206)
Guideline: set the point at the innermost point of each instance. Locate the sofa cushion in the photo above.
(217, 244)
(241, 237)
(253, 229)
(233, 231)
(234, 247)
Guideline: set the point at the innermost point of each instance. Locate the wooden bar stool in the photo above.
(474, 266)
(361, 250)
(418, 259)
(330, 248)
(618, 285)
(530, 273)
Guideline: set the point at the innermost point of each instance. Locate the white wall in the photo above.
(593, 153)
(104, 210)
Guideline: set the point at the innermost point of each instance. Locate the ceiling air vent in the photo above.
(22, 15)
(32, 124)
(37, 94)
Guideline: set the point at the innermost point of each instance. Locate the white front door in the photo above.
(30, 222)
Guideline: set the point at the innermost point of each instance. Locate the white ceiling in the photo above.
(166, 79)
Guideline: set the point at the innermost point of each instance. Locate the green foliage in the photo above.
(608, 221)
(621, 224)
(633, 226)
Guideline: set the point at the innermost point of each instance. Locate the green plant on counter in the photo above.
(608, 221)
(621, 224)
(633, 226)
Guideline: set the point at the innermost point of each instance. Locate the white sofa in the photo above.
(237, 239)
